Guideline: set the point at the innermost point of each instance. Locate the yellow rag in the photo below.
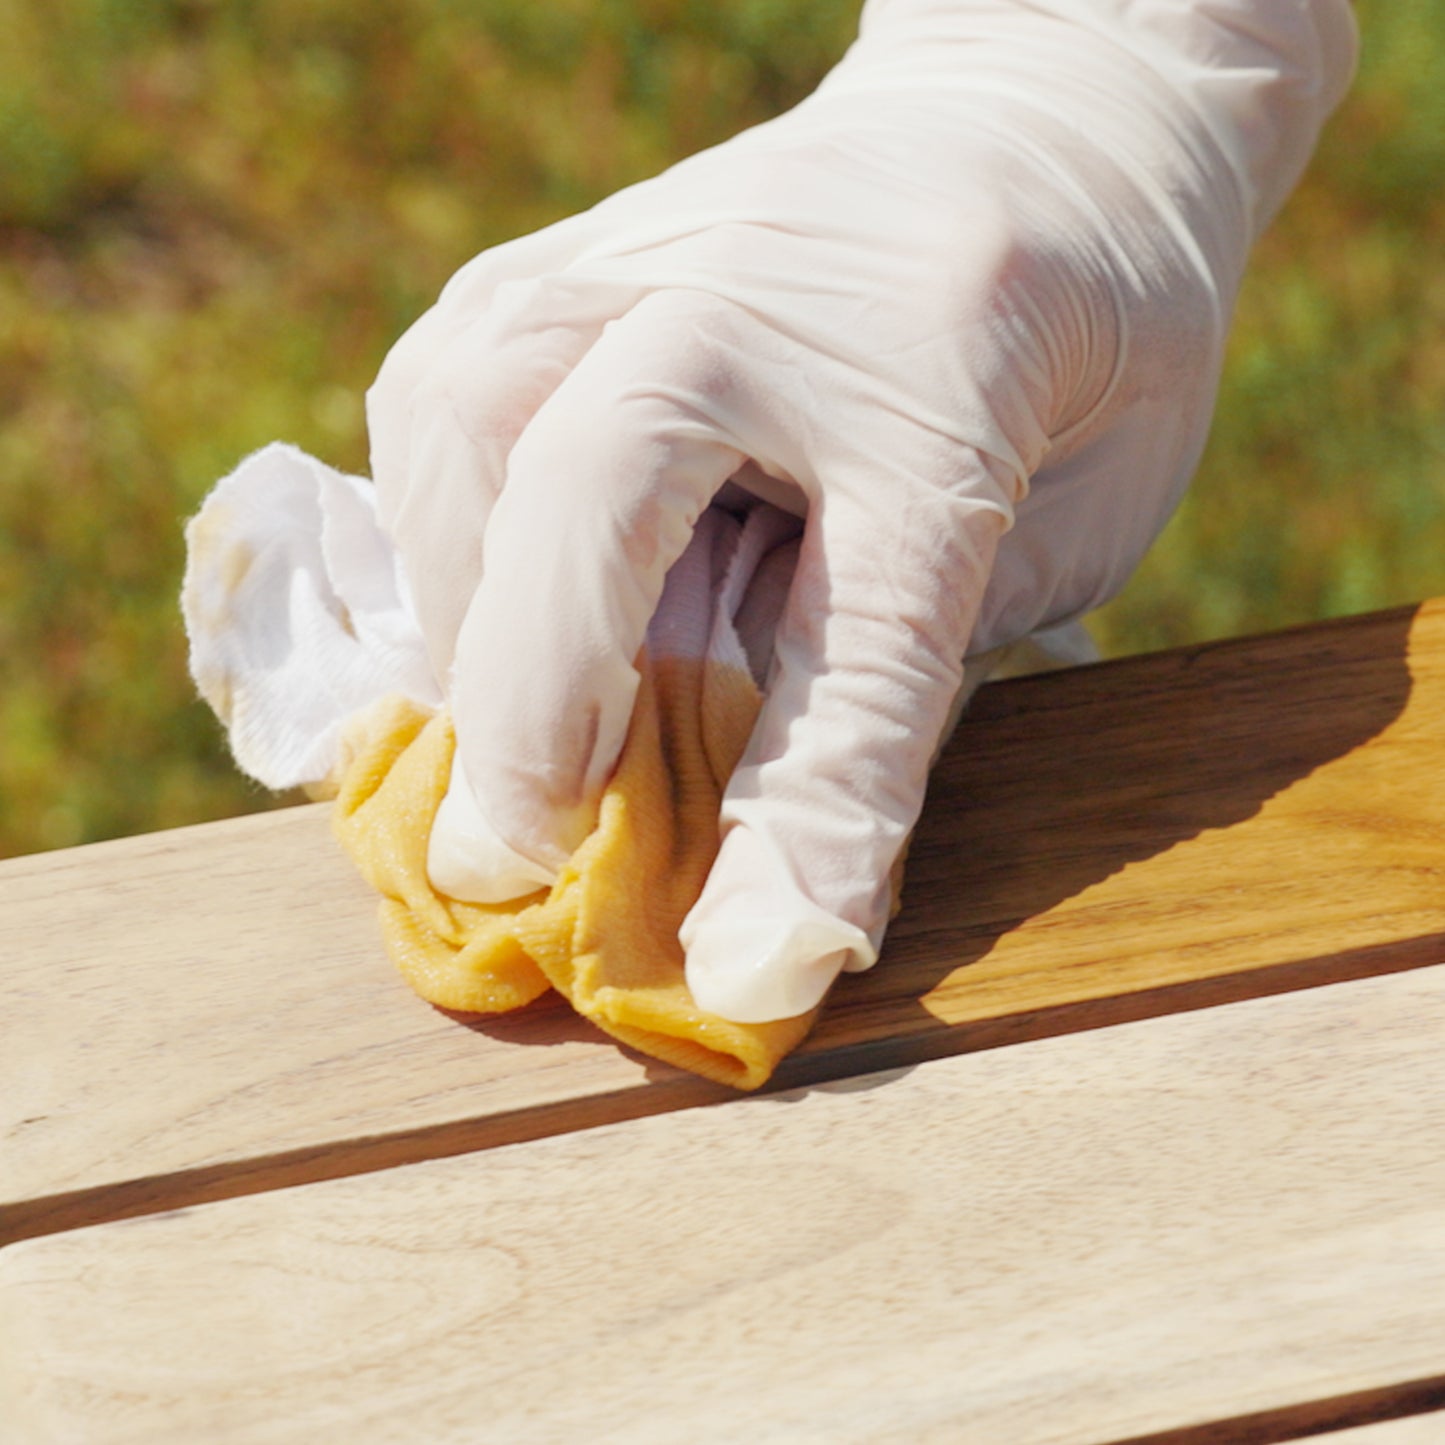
(605, 934)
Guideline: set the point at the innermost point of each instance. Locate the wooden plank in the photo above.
(1184, 818)
(1139, 1233)
(207, 1012)
(202, 1011)
(1413, 1430)
(1325, 1418)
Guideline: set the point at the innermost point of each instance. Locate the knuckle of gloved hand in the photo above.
(599, 452)
(1049, 301)
(466, 400)
(388, 397)
(388, 425)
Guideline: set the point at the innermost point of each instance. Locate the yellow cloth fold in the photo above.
(605, 934)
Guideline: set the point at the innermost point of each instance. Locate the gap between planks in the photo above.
(183, 1189)
(1398, 1414)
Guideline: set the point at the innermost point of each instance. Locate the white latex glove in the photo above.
(964, 307)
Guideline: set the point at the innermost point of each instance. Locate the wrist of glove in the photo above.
(963, 308)
(1256, 79)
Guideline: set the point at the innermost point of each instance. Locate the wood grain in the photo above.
(1160, 1226)
(1321, 1417)
(1414, 1430)
(1203, 813)
(208, 1012)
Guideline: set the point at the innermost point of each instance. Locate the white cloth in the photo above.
(298, 613)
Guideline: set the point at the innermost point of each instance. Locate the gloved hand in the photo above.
(963, 307)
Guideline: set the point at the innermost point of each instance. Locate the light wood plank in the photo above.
(208, 1012)
(1079, 1240)
(1413, 1430)
(201, 999)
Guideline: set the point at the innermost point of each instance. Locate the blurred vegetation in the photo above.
(1322, 492)
(216, 215)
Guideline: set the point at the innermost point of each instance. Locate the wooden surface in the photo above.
(1156, 1158)
(1413, 1430)
(1163, 1226)
(208, 1012)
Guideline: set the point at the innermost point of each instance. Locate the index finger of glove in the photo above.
(602, 492)
(458, 428)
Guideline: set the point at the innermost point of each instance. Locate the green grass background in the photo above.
(216, 215)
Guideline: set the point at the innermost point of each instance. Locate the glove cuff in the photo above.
(1260, 76)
